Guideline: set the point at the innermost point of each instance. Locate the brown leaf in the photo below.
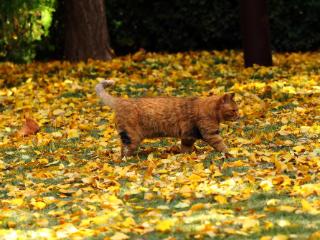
(30, 127)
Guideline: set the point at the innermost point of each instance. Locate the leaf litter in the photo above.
(62, 176)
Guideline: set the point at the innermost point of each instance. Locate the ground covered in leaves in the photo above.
(67, 181)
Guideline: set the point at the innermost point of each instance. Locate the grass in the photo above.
(301, 224)
(78, 188)
(255, 204)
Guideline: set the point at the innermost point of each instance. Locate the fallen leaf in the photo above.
(273, 202)
(165, 225)
(119, 236)
(73, 133)
(249, 224)
(266, 238)
(221, 199)
(286, 208)
(266, 185)
(197, 207)
(307, 207)
(314, 236)
(38, 205)
(182, 205)
(280, 237)
(30, 127)
(283, 223)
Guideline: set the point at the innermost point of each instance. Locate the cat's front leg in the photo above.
(187, 145)
(210, 134)
(216, 142)
(212, 137)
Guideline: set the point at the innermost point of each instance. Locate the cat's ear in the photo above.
(225, 98)
(228, 97)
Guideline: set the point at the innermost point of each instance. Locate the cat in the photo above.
(187, 118)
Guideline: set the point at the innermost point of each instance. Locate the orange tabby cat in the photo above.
(189, 118)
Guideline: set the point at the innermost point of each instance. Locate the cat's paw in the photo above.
(227, 155)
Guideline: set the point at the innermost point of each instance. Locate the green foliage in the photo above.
(207, 24)
(22, 24)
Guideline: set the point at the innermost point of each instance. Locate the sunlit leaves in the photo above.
(67, 179)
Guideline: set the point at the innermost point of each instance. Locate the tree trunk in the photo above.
(86, 32)
(255, 32)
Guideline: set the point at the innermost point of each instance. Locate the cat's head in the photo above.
(228, 108)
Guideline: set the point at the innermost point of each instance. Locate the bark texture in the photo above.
(255, 32)
(86, 31)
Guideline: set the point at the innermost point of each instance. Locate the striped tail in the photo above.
(107, 99)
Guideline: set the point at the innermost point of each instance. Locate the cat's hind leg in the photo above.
(129, 143)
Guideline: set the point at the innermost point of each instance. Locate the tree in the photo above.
(255, 32)
(23, 23)
(86, 32)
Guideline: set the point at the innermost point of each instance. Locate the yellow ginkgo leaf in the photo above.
(307, 207)
(266, 185)
(283, 223)
(280, 237)
(273, 202)
(221, 199)
(249, 224)
(16, 201)
(38, 205)
(165, 225)
(73, 133)
(197, 207)
(314, 236)
(119, 236)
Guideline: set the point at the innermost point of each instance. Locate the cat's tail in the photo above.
(107, 99)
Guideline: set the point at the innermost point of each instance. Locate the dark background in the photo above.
(181, 25)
